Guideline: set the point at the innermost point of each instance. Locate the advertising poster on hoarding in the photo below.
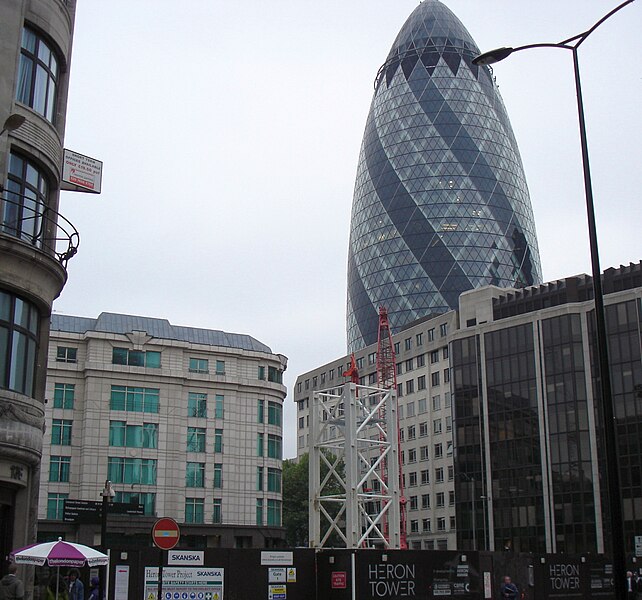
(185, 583)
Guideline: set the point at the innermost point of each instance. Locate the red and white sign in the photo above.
(339, 580)
(166, 533)
(81, 173)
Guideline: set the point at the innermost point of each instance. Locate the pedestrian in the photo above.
(11, 588)
(632, 586)
(94, 591)
(508, 590)
(57, 588)
(76, 587)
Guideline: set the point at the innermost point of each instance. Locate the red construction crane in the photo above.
(387, 379)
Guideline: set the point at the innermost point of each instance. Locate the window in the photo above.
(55, 506)
(407, 344)
(259, 511)
(260, 442)
(421, 382)
(323, 378)
(274, 446)
(134, 399)
(423, 453)
(449, 423)
(218, 475)
(18, 343)
(399, 368)
(307, 384)
(423, 428)
(434, 378)
(199, 365)
(195, 475)
(436, 426)
(399, 390)
(453, 522)
(425, 501)
(274, 480)
(274, 413)
(131, 470)
(396, 347)
(196, 405)
(260, 411)
(298, 387)
(439, 475)
(446, 375)
(148, 500)
(410, 386)
(412, 479)
(136, 358)
(59, 468)
(451, 473)
(220, 367)
(219, 410)
(443, 329)
(359, 362)
(403, 457)
(439, 451)
(259, 479)
(400, 411)
(409, 365)
(413, 503)
(194, 510)
(447, 400)
(442, 544)
(372, 378)
(431, 335)
(411, 432)
(414, 526)
(196, 439)
(425, 477)
(275, 375)
(133, 436)
(372, 358)
(441, 523)
(64, 395)
(61, 432)
(410, 410)
(440, 499)
(421, 360)
(314, 381)
(425, 525)
(331, 374)
(217, 510)
(436, 402)
(449, 448)
(419, 339)
(261, 373)
(66, 354)
(434, 357)
(37, 74)
(451, 498)
(412, 455)
(218, 440)
(301, 422)
(444, 352)
(274, 512)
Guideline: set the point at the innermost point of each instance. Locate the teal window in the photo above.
(259, 511)
(218, 475)
(147, 499)
(133, 436)
(55, 506)
(260, 443)
(275, 375)
(196, 405)
(195, 439)
(66, 354)
(259, 479)
(274, 446)
(199, 365)
(195, 475)
(220, 367)
(59, 468)
(217, 510)
(218, 440)
(131, 470)
(194, 510)
(37, 74)
(261, 411)
(274, 480)
(64, 395)
(134, 399)
(61, 432)
(261, 373)
(136, 358)
(219, 408)
(274, 413)
(274, 512)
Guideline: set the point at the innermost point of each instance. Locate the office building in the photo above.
(35, 241)
(440, 203)
(500, 416)
(186, 422)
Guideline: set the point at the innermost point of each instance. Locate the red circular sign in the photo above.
(166, 533)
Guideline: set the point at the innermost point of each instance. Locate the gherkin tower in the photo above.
(440, 203)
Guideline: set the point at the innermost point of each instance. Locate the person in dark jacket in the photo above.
(76, 587)
(94, 591)
(11, 588)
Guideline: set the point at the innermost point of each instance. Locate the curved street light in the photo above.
(610, 430)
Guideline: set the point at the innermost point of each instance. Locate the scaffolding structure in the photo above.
(348, 442)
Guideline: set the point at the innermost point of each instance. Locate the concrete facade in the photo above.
(182, 420)
(35, 52)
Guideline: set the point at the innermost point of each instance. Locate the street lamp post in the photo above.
(107, 495)
(610, 430)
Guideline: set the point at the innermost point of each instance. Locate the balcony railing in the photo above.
(36, 224)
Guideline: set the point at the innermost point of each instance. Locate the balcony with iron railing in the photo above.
(39, 226)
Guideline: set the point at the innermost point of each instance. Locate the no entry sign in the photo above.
(166, 533)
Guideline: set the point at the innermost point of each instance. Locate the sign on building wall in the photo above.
(185, 583)
(81, 173)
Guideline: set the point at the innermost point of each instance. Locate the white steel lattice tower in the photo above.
(348, 441)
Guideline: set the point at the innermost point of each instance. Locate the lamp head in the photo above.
(108, 492)
(492, 56)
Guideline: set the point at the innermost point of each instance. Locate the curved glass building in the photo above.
(440, 204)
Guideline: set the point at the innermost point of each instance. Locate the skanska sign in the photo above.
(185, 557)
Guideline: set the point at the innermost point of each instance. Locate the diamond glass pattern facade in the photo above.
(440, 203)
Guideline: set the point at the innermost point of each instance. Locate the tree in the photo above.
(295, 500)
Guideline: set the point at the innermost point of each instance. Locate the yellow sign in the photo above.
(292, 575)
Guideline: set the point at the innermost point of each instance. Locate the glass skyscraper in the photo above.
(440, 204)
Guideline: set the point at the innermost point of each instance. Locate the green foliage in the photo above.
(295, 500)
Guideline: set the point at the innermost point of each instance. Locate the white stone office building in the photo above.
(425, 423)
(185, 421)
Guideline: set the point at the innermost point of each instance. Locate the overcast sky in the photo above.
(230, 132)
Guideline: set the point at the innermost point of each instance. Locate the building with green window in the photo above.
(35, 241)
(185, 422)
